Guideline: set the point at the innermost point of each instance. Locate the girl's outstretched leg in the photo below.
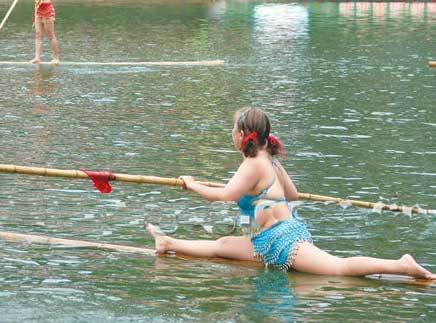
(239, 248)
(311, 259)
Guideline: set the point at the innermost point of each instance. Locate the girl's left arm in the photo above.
(243, 181)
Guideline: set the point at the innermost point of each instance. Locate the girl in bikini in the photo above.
(274, 232)
(44, 19)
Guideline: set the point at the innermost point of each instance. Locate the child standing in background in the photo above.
(44, 19)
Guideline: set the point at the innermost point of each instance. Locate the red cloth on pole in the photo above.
(101, 180)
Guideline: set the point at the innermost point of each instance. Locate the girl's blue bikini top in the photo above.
(251, 205)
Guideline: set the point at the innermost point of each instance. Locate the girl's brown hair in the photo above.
(256, 127)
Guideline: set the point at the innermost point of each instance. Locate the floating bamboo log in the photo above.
(179, 183)
(432, 63)
(156, 63)
(29, 238)
(39, 239)
(8, 14)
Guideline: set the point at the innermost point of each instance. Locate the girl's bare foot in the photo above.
(55, 61)
(161, 241)
(36, 60)
(412, 268)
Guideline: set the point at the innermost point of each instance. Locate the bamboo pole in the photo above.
(432, 63)
(8, 14)
(156, 63)
(29, 238)
(142, 179)
(367, 205)
(39, 239)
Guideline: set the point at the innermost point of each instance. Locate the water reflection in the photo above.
(280, 22)
(38, 132)
(272, 297)
(384, 10)
(43, 83)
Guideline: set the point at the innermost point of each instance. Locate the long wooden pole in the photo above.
(432, 63)
(52, 172)
(179, 183)
(8, 14)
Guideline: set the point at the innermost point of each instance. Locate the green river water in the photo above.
(349, 92)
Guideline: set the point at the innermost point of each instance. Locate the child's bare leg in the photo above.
(239, 248)
(311, 259)
(38, 41)
(49, 28)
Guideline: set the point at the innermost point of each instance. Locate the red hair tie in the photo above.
(273, 140)
(250, 137)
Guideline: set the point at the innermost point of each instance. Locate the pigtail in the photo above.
(249, 145)
(276, 147)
